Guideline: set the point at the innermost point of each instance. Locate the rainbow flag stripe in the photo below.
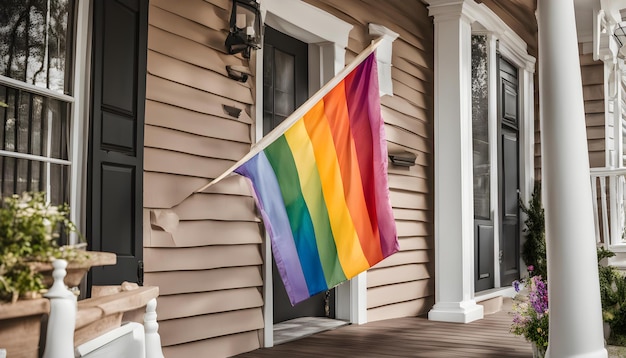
(322, 189)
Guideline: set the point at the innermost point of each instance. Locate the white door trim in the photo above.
(327, 37)
(454, 235)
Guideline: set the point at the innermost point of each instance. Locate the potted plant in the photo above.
(530, 309)
(534, 248)
(29, 232)
(613, 298)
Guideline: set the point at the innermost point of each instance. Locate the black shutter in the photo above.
(115, 165)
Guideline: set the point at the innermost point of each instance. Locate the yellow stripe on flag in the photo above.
(351, 256)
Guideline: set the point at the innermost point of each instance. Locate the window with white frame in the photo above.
(36, 42)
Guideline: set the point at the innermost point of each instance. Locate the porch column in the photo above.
(575, 310)
(454, 208)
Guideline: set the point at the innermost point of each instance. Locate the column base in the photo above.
(458, 312)
(600, 353)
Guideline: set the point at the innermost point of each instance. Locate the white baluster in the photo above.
(153, 340)
(62, 320)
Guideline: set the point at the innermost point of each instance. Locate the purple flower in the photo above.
(538, 295)
(516, 285)
(531, 268)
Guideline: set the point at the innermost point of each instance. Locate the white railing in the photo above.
(608, 190)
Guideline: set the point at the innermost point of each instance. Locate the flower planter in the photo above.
(538, 352)
(76, 270)
(20, 327)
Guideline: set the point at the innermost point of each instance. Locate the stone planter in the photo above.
(20, 327)
(538, 352)
(75, 270)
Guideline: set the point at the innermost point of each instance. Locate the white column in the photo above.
(454, 210)
(575, 310)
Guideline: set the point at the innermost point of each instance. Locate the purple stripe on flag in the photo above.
(269, 200)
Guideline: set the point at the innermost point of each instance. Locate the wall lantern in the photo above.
(245, 28)
(402, 159)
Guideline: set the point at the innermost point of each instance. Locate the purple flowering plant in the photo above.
(530, 310)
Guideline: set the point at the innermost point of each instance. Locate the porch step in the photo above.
(492, 305)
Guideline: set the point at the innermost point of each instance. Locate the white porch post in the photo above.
(454, 225)
(575, 311)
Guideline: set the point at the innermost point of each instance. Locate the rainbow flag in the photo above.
(321, 188)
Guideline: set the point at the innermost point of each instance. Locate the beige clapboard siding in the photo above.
(200, 258)
(211, 232)
(178, 282)
(207, 263)
(164, 190)
(592, 74)
(398, 292)
(408, 214)
(217, 207)
(161, 90)
(225, 346)
(404, 258)
(184, 330)
(409, 183)
(403, 309)
(408, 127)
(397, 274)
(415, 243)
(196, 77)
(201, 303)
(183, 142)
(181, 119)
(412, 228)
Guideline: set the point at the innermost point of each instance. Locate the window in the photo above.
(480, 128)
(36, 97)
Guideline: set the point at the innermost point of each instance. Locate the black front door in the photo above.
(508, 156)
(115, 164)
(285, 88)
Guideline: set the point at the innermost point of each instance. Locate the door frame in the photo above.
(327, 37)
(455, 299)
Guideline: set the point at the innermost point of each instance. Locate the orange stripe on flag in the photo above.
(349, 250)
(336, 112)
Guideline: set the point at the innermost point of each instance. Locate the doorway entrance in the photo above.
(496, 217)
(285, 88)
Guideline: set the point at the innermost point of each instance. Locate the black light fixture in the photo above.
(245, 28)
(402, 159)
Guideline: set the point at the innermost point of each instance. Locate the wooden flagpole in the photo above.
(297, 114)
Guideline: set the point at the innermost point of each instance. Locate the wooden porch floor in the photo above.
(409, 337)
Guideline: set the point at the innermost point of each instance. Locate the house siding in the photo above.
(403, 284)
(204, 249)
(592, 73)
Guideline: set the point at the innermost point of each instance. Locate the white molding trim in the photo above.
(79, 140)
(454, 20)
(454, 210)
(327, 37)
(383, 57)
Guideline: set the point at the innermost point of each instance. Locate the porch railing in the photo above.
(608, 190)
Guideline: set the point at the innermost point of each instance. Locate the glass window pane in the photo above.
(19, 175)
(34, 42)
(284, 71)
(480, 128)
(34, 125)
